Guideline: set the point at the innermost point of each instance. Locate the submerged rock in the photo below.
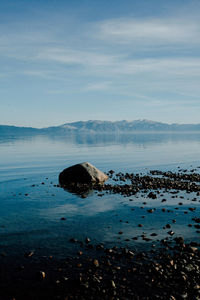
(82, 173)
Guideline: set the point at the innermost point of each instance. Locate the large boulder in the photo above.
(82, 173)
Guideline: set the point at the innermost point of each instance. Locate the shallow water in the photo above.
(32, 205)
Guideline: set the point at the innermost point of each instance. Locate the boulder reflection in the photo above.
(80, 189)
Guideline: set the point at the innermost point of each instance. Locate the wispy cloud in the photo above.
(150, 31)
(98, 86)
(121, 64)
(124, 56)
(76, 57)
(39, 73)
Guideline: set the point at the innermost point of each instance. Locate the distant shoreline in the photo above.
(104, 127)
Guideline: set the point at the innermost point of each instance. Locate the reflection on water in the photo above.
(140, 139)
(32, 204)
(83, 191)
(107, 138)
(121, 152)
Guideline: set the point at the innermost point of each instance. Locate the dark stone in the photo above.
(82, 173)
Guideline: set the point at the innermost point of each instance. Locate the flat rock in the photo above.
(82, 173)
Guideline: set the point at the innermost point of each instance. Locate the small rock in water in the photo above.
(29, 254)
(41, 275)
(152, 195)
(72, 240)
(96, 263)
(170, 232)
(87, 240)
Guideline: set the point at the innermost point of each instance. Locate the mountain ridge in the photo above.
(98, 126)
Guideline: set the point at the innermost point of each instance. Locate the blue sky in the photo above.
(63, 61)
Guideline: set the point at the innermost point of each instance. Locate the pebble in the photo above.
(96, 263)
(41, 275)
(87, 240)
(29, 254)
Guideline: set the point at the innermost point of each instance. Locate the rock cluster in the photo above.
(170, 271)
(130, 183)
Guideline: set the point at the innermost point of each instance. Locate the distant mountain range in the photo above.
(94, 126)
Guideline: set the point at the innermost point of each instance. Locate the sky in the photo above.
(63, 61)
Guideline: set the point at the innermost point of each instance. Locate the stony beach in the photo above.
(167, 268)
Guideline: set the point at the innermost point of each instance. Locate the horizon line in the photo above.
(95, 120)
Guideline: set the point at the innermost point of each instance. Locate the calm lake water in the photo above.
(32, 205)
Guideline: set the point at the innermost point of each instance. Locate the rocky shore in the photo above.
(168, 268)
(131, 183)
(171, 270)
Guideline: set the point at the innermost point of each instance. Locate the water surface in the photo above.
(32, 205)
